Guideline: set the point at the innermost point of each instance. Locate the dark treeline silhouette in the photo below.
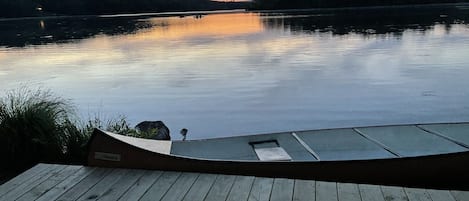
(384, 21)
(26, 8)
(367, 22)
(303, 4)
(20, 33)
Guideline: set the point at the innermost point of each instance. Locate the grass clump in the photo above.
(38, 126)
(32, 124)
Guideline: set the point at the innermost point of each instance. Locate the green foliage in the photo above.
(31, 125)
(38, 126)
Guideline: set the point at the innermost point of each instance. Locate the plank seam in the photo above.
(250, 189)
(149, 187)
(172, 184)
(211, 186)
(58, 169)
(337, 190)
(60, 181)
(271, 188)
(231, 187)
(377, 142)
(359, 192)
(118, 198)
(443, 136)
(454, 197)
(306, 146)
(195, 180)
(108, 171)
(69, 187)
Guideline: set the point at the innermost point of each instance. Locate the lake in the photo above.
(250, 72)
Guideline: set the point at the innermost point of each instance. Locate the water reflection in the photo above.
(367, 22)
(227, 74)
(393, 22)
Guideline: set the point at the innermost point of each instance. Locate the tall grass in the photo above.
(39, 126)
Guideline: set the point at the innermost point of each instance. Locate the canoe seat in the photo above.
(270, 150)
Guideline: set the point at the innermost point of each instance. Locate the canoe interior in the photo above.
(338, 144)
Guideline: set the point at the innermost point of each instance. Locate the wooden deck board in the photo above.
(62, 182)
(121, 186)
(84, 185)
(440, 195)
(179, 189)
(31, 183)
(282, 190)
(370, 192)
(48, 184)
(141, 185)
(348, 192)
(326, 191)
(241, 188)
(394, 193)
(460, 195)
(201, 187)
(221, 188)
(18, 180)
(261, 189)
(66, 184)
(161, 186)
(304, 190)
(103, 186)
(416, 194)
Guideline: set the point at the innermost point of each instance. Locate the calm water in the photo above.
(244, 73)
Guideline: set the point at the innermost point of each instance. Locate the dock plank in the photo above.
(241, 188)
(182, 185)
(460, 195)
(200, 188)
(326, 191)
(261, 189)
(48, 184)
(370, 192)
(304, 190)
(66, 184)
(84, 185)
(220, 188)
(103, 186)
(348, 192)
(25, 176)
(31, 183)
(141, 185)
(161, 186)
(282, 190)
(440, 195)
(415, 194)
(394, 193)
(121, 186)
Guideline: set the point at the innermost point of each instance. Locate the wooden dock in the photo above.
(48, 182)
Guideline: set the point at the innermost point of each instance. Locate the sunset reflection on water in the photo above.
(241, 73)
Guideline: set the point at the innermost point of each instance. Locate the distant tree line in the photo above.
(24, 8)
(300, 4)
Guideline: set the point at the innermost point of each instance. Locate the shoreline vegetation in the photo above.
(51, 8)
(39, 126)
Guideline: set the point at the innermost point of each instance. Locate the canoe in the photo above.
(424, 155)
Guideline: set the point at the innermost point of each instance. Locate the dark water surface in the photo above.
(244, 73)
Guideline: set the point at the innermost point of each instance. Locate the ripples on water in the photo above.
(244, 73)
